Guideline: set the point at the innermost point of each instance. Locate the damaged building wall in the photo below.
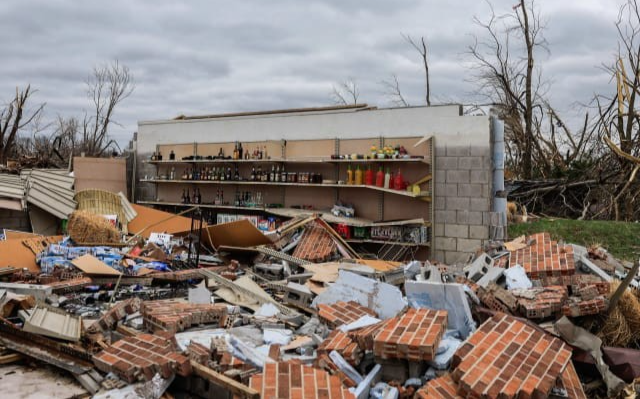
(463, 172)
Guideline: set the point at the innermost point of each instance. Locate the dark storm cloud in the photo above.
(202, 57)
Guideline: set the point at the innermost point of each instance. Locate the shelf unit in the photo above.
(374, 206)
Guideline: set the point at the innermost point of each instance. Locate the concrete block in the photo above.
(458, 151)
(456, 204)
(438, 255)
(468, 217)
(440, 203)
(440, 176)
(480, 151)
(459, 176)
(485, 191)
(438, 229)
(479, 204)
(479, 232)
(445, 243)
(470, 163)
(487, 163)
(441, 151)
(456, 230)
(486, 218)
(468, 245)
(447, 163)
(451, 190)
(445, 217)
(439, 188)
(470, 190)
(479, 176)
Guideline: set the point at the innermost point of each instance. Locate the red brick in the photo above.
(316, 244)
(276, 381)
(508, 358)
(544, 257)
(341, 313)
(173, 316)
(343, 344)
(439, 388)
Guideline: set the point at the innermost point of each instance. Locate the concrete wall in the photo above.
(14, 220)
(462, 181)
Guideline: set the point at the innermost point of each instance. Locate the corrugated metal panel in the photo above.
(54, 324)
(52, 178)
(59, 203)
(11, 186)
(129, 212)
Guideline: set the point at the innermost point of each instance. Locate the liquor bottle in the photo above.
(283, 175)
(264, 153)
(183, 198)
(222, 174)
(253, 174)
(228, 177)
(277, 176)
(368, 176)
(387, 178)
(259, 174)
(190, 174)
(220, 153)
(272, 176)
(221, 197)
(392, 181)
(399, 181)
(349, 175)
(240, 151)
(358, 180)
(172, 156)
(184, 175)
(259, 153)
(236, 175)
(235, 151)
(172, 174)
(216, 200)
(159, 157)
(187, 199)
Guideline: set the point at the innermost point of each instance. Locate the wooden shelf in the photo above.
(383, 242)
(425, 196)
(293, 212)
(283, 160)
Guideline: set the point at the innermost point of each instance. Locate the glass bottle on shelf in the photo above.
(236, 175)
(392, 181)
(172, 173)
(272, 176)
(358, 178)
(183, 198)
(349, 174)
(368, 176)
(264, 154)
(277, 174)
(185, 174)
(253, 174)
(283, 175)
(172, 156)
(221, 153)
(240, 154)
(159, 157)
(387, 178)
(187, 198)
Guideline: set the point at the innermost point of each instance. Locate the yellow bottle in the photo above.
(358, 176)
(349, 175)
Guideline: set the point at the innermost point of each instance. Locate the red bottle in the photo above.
(380, 178)
(368, 177)
(392, 182)
(399, 181)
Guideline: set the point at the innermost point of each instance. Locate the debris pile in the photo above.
(297, 313)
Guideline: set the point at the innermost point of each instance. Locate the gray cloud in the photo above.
(212, 56)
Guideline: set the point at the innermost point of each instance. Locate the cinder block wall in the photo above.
(462, 200)
(14, 220)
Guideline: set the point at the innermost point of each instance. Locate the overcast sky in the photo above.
(201, 57)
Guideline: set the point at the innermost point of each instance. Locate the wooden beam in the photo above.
(222, 380)
(623, 286)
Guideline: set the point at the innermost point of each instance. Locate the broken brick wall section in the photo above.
(316, 244)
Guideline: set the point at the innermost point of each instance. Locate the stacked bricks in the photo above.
(341, 313)
(199, 353)
(316, 244)
(414, 336)
(343, 344)
(109, 320)
(462, 203)
(497, 298)
(364, 336)
(577, 307)
(230, 362)
(439, 388)
(547, 302)
(141, 357)
(571, 383)
(580, 281)
(324, 362)
(508, 358)
(544, 257)
(171, 315)
(286, 380)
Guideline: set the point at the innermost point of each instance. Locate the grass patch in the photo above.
(621, 239)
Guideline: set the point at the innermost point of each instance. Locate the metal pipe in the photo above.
(497, 138)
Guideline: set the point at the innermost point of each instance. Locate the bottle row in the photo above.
(259, 152)
(242, 198)
(276, 174)
(379, 179)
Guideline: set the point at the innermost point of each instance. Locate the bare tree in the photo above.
(391, 89)
(107, 87)
(421, 48)
(346, 93)
(14, 118)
